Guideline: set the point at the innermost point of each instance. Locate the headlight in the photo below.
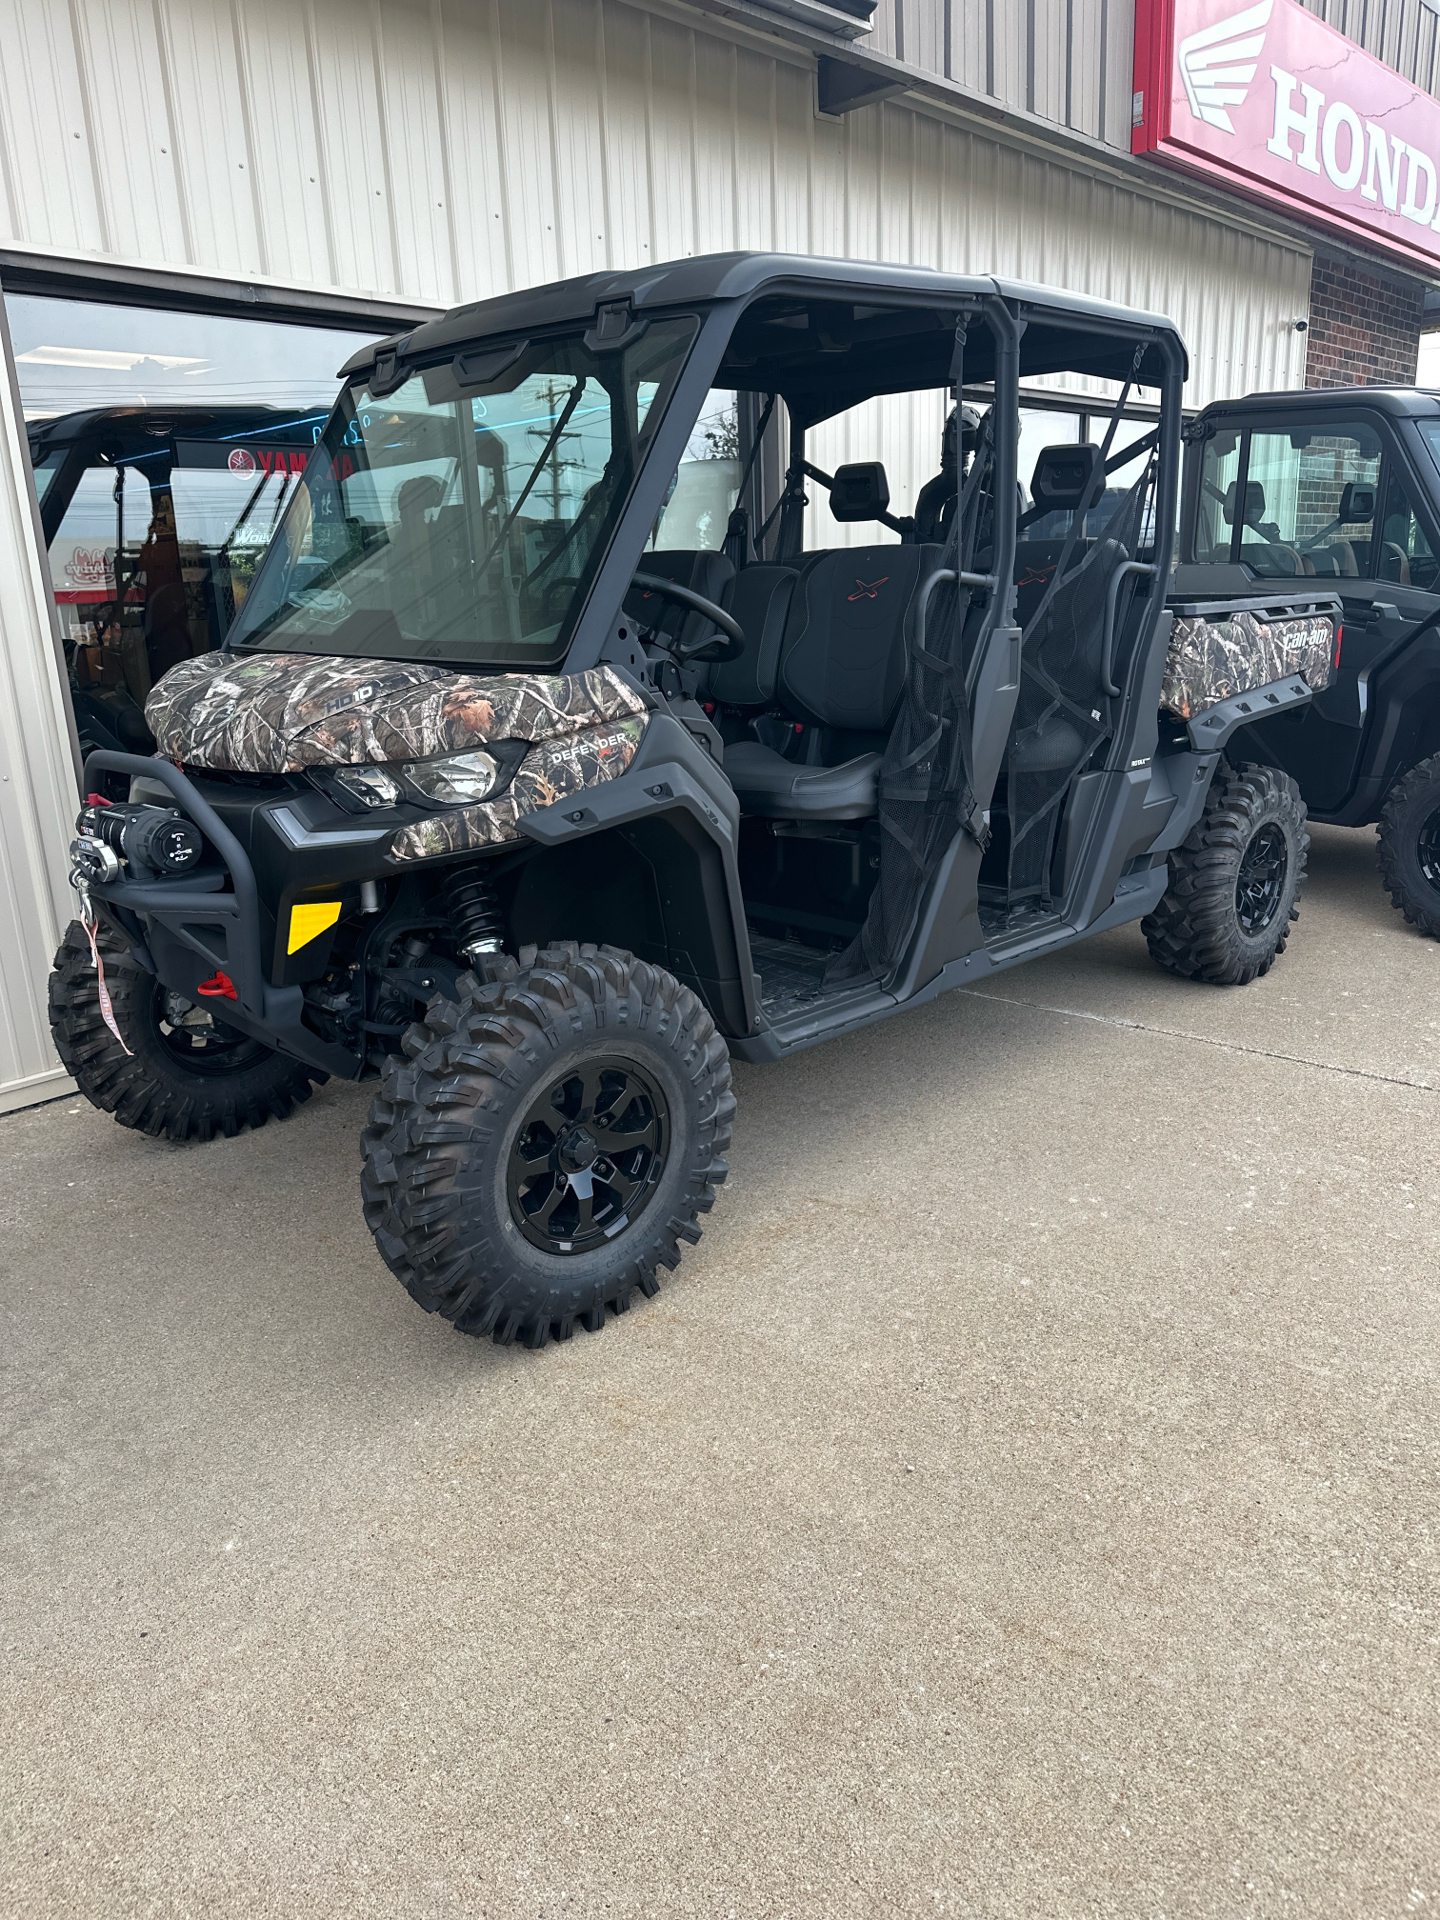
(453, 780)
(371, 786)
(463, 780)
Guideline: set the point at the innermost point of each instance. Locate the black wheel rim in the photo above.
(1261, 884)
(588, 1156)
(1427, 848)
(199, 1042)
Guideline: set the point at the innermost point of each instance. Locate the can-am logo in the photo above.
(1269, 101)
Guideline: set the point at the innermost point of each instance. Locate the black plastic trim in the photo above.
(1216, 724)
(271, 1014)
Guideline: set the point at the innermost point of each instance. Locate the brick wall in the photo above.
(1364, 326)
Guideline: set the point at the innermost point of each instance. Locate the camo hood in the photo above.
(282, 712)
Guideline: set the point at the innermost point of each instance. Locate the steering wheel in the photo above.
(733, 642)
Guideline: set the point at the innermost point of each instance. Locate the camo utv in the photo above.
(547, 766)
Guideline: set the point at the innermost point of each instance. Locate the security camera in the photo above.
(1302, 325)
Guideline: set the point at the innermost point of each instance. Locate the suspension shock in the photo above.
(474, 911)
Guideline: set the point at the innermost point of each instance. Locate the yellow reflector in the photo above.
(311, 919)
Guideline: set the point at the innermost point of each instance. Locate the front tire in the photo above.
(547, 1143)
(1410, 846)
(1235, 880)
(187, 1076)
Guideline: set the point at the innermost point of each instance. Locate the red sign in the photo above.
(222, 456)
(1267, 100)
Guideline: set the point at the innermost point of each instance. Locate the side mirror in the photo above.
(860, 491)
(1254, 503)
(1357, 505)
(1064, 476)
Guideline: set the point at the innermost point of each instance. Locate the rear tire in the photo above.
(187, 1076)
(547, 1143)
(1235, 880)
(1410, 846)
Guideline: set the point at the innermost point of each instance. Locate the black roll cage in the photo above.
(1007, 318)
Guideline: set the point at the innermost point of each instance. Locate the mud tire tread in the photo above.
(461, 1066)
(1194, 931)
(1404, 813)
(139, 1090)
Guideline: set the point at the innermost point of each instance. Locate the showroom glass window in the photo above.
(165, 446)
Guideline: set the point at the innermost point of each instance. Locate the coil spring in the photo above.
(474, 910)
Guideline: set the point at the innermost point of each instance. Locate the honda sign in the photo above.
(1267, 100)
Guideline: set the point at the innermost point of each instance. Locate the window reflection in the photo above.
(164, 447)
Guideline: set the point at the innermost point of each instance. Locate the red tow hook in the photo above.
(218, 987)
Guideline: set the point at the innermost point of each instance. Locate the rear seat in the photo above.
(1035, 564)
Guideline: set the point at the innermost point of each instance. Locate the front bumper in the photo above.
(211, 919)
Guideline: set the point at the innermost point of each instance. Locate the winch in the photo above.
(154, 842)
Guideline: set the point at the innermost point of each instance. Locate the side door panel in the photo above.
(1389, 593)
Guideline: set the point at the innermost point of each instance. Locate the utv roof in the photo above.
(1402, 402)
(1065, 331)
(134, 430)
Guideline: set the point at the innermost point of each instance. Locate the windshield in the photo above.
(45, 471)
(463, 516)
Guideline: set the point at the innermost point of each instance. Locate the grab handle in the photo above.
(1112, 597)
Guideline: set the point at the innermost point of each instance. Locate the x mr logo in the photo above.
(867, 589)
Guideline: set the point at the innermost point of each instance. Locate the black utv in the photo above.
(1339, 490)
(154, 520)
(546, 766)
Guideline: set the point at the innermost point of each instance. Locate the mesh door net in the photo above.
(1063, 712)
(925, 787)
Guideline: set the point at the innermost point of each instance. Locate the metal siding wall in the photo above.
(37, 784)
(1066, 60)
(965, 203)
(447, 150)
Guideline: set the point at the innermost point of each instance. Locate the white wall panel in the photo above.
(138, 162)
(447, 150)
(47, 157)
(216, 185)
(277, 84)
(416, 188)
(443, 150)
(37, 782)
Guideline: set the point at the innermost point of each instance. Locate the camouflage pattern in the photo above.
(1212, 659)
(549, 772)
(281, 712)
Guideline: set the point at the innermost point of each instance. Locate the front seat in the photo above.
(760, 602)
(842, 670)
(703, 572)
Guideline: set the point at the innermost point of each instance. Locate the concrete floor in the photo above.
(1023, 1501)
